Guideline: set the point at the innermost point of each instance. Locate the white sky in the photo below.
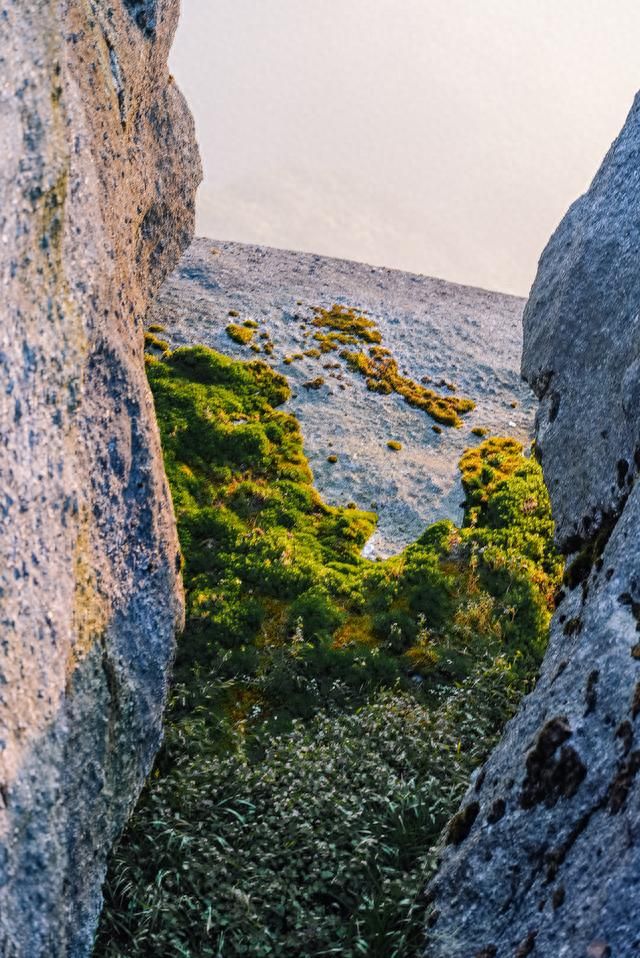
(445, 137)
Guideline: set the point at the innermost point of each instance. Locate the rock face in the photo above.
(98, 170)
(548, 862)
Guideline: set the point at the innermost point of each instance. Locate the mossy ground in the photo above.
(348, 327)
(340, 327)
(327, 710)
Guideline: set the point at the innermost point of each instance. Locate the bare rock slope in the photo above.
(547, 860)
(456, 337)
(98, 170)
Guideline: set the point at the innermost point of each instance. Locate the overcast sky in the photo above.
(445, 137)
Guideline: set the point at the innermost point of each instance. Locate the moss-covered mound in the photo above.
(327, 710)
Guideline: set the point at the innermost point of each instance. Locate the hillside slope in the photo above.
(454, 335)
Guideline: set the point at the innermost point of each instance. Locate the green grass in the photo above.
(327, 710)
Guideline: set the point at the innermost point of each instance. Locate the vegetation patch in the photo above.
(240, 334)
(326, 711)
(341, 327)
(347, 326)
(154, 344)
(394, 445)
(382, 374)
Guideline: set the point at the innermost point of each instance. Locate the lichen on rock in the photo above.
(98, 170)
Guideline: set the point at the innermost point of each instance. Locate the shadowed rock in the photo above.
(556, 872)
(98, 170)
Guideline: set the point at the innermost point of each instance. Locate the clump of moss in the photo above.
(341, 326)
(312, 353)
(154, 345)
(332, 458)
(316, 383)
(233, 313)
(250, 323)
(486, 465)
(156, 328)
(347, 326)
(479, 431)
(394, 444)
(240, 334)
(382, 375)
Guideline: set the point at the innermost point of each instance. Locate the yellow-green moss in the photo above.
(381, 372)
(395, 445)
(342, 326)
(347, 323)
(287, 624)
(240, 334)
(153, 342)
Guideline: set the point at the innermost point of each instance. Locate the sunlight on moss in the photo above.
(348, 327)
(240, 334)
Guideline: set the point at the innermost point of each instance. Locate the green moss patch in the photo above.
(316, 383)
(346, 325)
(240, 334)
(382, 375)
(341, 327)
(154, 345)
